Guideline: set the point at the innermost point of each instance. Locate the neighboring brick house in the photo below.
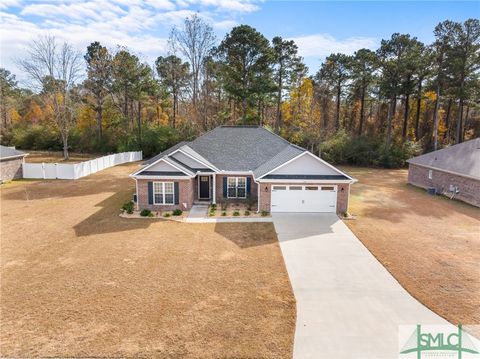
(453, 171)
(11, 161)
(241, 163)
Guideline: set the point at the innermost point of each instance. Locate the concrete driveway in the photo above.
(348, 305)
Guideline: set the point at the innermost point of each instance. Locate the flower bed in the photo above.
(233, 210)
(156, 215)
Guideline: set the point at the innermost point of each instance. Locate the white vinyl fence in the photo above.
(77, 170)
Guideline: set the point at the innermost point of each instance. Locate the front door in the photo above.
(204, 187)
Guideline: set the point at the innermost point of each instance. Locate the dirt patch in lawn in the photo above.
(429, 243)
(79, 281)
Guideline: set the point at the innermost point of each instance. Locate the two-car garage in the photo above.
(304, 198)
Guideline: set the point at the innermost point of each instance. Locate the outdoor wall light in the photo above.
(341, 189)
(266, 188)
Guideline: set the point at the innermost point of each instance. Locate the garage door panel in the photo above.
(307, 199)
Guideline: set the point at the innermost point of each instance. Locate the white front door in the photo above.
(302, 198)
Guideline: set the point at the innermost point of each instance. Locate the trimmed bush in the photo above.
(236, 213)
(224, 214)
(265, 213)
(128, 207)
(146, 213)
(166, 214)
(177, 212)
(247, 213)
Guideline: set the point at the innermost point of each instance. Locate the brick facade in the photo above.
(469, 188)
(219, 189)
(11, 169)
(342, 196)
(186, 195)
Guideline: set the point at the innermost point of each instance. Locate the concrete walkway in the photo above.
(198, 211)
(348, 305)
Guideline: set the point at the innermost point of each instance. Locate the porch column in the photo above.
(214, 189)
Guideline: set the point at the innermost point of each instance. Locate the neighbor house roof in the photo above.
(10, 152)
(462, 159)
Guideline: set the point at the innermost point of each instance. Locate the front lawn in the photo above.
(80, 281)
(430, 244)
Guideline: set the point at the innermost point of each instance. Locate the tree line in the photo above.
(373, 107)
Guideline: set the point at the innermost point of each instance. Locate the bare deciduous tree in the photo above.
(53, 69)
(194, 40)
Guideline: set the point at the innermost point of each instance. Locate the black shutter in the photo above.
(224, 187)
(150, 192)
(249, 184)
(177, 194)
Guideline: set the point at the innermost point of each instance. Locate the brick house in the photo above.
(11, 161)
(241, 163)
(453, 171)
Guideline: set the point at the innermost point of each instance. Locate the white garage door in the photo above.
(298, 198)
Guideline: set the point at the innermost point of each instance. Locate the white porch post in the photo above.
(214, 189)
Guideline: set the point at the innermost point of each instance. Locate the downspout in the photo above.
(136, 193)
(258, 192)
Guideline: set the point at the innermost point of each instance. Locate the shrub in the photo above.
(236, 213)
(146, 213)
(177, 212)
(264, 213)
(224, 214)
(247, 213)
(128, 207)
(213, 207)
(166, 214)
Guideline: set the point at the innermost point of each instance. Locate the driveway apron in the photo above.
(348, 305)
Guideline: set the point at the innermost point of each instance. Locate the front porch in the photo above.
(204, 185)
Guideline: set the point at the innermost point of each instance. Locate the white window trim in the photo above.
(236, 187)
(430, 174)
(163, 194)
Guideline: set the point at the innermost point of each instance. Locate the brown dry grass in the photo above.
(79, 281)
(53, 157)
(430, 244)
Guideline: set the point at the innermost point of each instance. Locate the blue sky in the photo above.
(318, 27)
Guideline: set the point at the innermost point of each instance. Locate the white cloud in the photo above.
(5, 4)
(224, 24)
(141, 25)
(241, 6)
(322, 45)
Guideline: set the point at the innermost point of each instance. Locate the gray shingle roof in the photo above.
(462, 159)
(164, 153)
(288, 153)
(239, 148)
(6, 152)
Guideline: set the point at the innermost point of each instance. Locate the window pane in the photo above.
(328, 188)
(242, 182)
(169, 187)
(158, 192)
(311, 188)
(232, 192)
(241, 192)
(232, 182)
(295, 188)
(168, 198)
(279, 188)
